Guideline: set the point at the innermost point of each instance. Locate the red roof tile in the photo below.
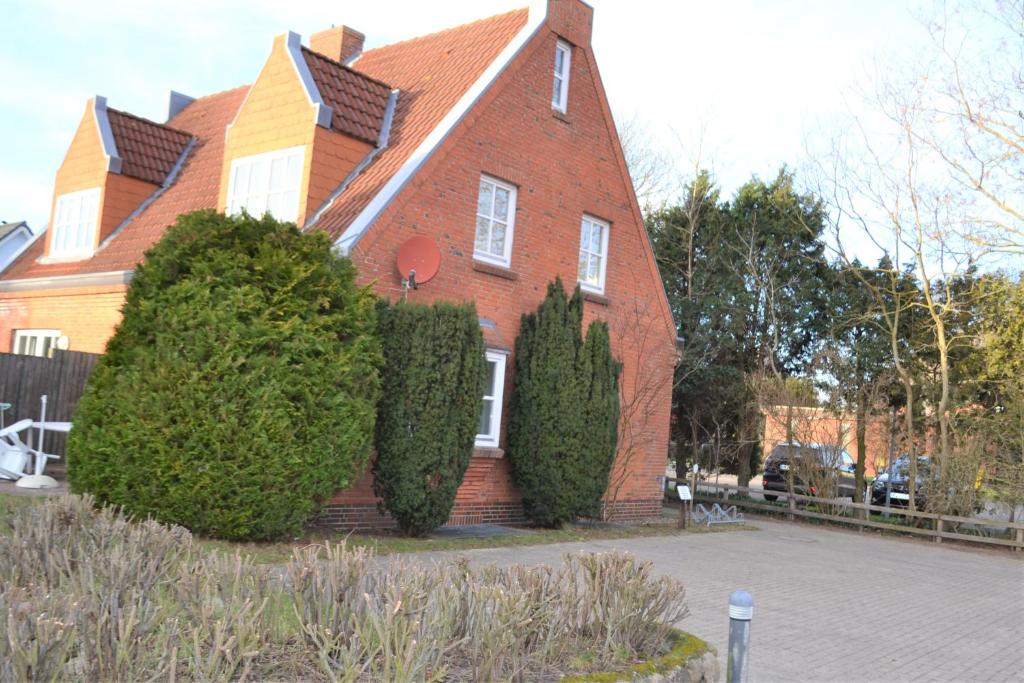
(148, 150)
(357, 102)
(432, 72)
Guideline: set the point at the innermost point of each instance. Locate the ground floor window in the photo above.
(35, 342)
(490, 412)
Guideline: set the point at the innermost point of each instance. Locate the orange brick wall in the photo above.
(277, 115)
(563, 166)
(87, 315)
(121, 196)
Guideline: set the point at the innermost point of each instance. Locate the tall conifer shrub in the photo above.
(433, 384)
(563, 421)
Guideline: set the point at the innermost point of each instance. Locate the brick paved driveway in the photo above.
(834, 605)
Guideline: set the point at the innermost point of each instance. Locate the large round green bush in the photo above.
(239, 390)
(433, 381)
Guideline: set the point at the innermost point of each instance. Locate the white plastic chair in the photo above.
(15, 456)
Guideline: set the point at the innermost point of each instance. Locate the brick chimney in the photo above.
(340, 43)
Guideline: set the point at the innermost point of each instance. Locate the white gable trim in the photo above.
(362, 222)
(293, 45)
(99, 114)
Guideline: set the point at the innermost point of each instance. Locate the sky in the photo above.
(740, 85)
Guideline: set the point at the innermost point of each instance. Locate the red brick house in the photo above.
(494, 139)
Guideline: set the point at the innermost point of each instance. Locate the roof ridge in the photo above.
(335, 62)
(149, 121)
(459, 27)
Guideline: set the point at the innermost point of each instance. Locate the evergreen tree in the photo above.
(239, 390)
(599, 374)
(564, 411)
(432, 381)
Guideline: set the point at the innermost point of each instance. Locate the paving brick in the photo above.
(836, 605)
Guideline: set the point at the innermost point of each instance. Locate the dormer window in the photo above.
(560, 90)
(75, 217)
(267, 183)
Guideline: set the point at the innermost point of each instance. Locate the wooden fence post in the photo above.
(1020, 540)
(938, 529)
(791, 504)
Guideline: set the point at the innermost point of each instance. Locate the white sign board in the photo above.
(684, 492)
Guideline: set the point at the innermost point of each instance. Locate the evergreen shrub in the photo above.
(239, 390)
(564, 411)
(433, 383)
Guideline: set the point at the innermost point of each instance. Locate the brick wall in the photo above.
(86, 315)
(563, 166)
(121, 195)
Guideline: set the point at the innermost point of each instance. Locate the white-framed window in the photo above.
(35, 342)
(495, 222)
(267, 182)
(560, 86)
(75, 217)
(489, 427)
(593, 254)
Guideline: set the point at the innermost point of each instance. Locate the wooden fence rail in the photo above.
(62, 378)
(941, 526)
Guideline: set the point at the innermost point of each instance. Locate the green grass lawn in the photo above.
(388, 543)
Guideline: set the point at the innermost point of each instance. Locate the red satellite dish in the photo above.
(421, 255)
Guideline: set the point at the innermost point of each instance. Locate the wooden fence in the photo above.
(844, 511)
(62, 378)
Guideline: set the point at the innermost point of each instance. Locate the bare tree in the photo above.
(964, 106)
(650, 167)
(645, 394)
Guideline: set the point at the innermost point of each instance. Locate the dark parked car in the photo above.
(825, 460)
(900, 491)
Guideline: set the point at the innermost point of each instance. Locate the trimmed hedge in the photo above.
(433, 383)
(239, 390)
(564, 411)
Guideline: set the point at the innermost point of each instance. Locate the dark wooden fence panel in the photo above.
(62, 378)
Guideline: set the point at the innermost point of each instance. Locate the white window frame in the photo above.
(37, 335)
(496, 395)
(75, 237)
(505, 260)
(561, 101)
(599, 286)
(235, 205)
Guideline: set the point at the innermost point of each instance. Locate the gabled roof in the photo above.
(357, 102)
(432, 74)
(148, 150)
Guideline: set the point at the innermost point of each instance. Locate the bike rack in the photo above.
(716, 515)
